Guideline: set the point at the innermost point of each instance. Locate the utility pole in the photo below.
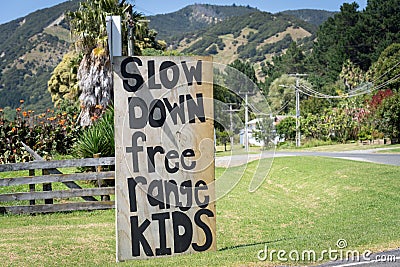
(231, 110)
(246, 120)
(298, 133)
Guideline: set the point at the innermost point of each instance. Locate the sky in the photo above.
(11, 10)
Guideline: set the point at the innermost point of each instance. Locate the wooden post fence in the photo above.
(57, 200)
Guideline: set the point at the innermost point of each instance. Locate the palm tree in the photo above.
(88, 27)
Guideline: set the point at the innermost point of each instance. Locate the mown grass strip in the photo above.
(306, 203)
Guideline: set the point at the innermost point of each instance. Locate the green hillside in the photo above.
(30, 48)
(255, 37)
(173, 26)
(313, 16)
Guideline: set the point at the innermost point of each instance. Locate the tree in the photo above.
(358, 36)
(389, 112)
(281, 95)
(351, 75)
(385, 69)
(213, 50)
(380, 26)
(264, 131)
(88, 26)
(340, 124)
(223, 137)
(287, 128)
(246, 68)
(237, 77)
(63, 84)
(293, 61)
(314, 105)
(337, 40)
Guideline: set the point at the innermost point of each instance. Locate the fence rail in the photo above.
(43, 164)
(57, 178)
(50, 175)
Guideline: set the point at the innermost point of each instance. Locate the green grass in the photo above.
(238, 150)
(39, 187)
(306, 203)
(314, 145)
(337, 147)
(394, 150)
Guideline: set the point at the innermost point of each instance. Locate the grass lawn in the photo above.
(340, 147)
(39, 187)
(394, 150)
(306, 203)
(237, 150)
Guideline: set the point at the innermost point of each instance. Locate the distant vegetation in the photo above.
(31, 47)
(315, 17)
(176, 25)
(249, 34)
(29, 55)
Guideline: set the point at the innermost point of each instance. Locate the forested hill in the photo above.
(192, 18)
(313, 16)
(30, 48)
(237, 32)
(255, 37)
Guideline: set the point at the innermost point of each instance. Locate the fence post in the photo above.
(32, 186)
(47, 187)
(101, 182)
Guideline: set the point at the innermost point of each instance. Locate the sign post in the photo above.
(164, 156)
(113, 25)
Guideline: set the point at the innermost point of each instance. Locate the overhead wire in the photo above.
(365, 88)
(283, 106)
(360, 90)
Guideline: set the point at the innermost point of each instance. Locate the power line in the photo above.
(398, 63)
(283, 106)
(360, 90)
(364, 89)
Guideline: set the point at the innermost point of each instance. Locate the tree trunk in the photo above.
(95, 81)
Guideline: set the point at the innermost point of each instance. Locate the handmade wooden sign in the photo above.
(164, 156)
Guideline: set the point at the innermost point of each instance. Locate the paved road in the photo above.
(358, 155)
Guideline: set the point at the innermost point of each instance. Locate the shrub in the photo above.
(98, 138)
(389, 116)
(47, 133)
(287, 128)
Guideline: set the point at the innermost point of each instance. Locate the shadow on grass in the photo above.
(255, 244)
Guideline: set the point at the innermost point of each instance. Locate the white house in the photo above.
(251, 127)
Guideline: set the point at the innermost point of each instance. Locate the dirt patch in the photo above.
(295, 33)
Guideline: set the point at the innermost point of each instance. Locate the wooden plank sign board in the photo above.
(164, 150)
